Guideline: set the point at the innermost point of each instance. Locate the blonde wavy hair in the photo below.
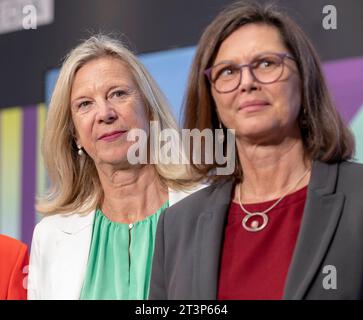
(74, 181)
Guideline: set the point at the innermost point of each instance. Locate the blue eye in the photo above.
(118, 93)
(84, 104)
(266, 62)
(226, 72)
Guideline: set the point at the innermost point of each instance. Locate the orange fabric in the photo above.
(14, 261)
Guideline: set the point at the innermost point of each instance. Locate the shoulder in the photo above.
(10, 245)
(345, 176)
(13, 253)
(350, 182)
(350, 178)
(352, 170)
(68, 223)
(178, 195)
(180, 223)
(198, 201)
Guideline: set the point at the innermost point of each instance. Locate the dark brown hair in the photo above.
(325, 136)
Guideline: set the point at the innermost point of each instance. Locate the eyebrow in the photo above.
(254, 57)
(110, 89)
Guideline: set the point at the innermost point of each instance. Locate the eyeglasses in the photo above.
(266, 68)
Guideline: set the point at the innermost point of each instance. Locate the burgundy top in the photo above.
(254, 265)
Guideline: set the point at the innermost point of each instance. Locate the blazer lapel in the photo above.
(321, 215)
(72, 256)
(210, 227)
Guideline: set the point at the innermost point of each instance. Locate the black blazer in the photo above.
(190, 235)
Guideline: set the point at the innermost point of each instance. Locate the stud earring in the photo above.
(304, 121)
(80, 150)
(220, 134)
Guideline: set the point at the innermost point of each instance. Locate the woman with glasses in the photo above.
(288, 223)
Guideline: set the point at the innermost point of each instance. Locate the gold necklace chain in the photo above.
(255, 225)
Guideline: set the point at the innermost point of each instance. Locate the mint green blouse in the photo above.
(120, 259)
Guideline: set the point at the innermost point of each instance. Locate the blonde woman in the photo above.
(97, 239)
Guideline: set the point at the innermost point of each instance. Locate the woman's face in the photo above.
(105, 105)
(258, 112)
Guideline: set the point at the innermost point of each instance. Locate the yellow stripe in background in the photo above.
(41, 173)
(10, 163)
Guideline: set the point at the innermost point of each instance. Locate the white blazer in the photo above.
(59, 253)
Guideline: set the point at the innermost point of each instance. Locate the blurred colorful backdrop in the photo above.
(21, 128)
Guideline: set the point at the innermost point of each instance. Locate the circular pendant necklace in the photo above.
(255, 225)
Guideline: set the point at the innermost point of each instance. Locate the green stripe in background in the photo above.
(357, 128)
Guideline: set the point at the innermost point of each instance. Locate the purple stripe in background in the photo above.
(345, 79)
(28, 172)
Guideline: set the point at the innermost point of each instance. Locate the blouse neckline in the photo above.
(121, 224)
